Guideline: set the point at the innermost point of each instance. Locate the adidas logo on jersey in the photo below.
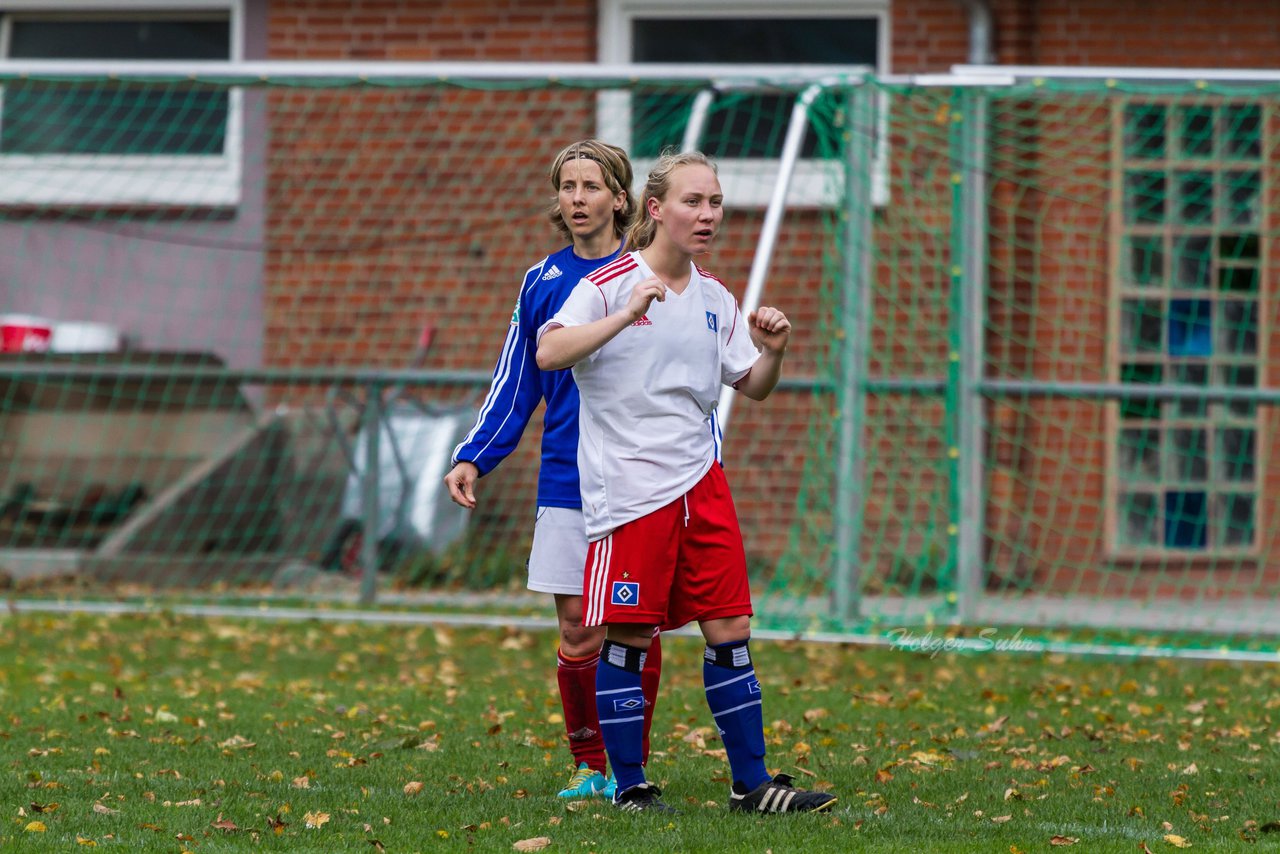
(643, 321)
(554, 273)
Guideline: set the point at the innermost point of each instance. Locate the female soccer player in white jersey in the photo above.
(651, 338)
(592, 209)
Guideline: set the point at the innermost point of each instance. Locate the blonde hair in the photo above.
(616, 169)
(640, 235)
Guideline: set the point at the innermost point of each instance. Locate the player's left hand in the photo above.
(769, 329)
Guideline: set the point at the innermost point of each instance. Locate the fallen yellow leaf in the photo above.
(35, 827)
(315, 820)
(927, 757)
(1176, 841)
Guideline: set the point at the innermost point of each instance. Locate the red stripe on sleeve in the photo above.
(612, 271)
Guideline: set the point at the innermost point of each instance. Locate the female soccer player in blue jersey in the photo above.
(592, 209)
(651, 338)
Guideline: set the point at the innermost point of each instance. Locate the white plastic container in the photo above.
(85, 337)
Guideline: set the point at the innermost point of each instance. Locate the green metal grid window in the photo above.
(1191, 292)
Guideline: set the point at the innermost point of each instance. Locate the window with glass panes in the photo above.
(90, 118)
(95, 141)
(744, 132)
(1191, 286)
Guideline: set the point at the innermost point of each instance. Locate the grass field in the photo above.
(167, 733)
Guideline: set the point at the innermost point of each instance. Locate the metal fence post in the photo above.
(854, 330)
(970, 304)
(371, 493)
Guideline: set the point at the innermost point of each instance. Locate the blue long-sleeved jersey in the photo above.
(519, 386)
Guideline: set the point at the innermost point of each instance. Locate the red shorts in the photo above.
(682, 562)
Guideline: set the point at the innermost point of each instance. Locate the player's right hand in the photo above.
(643, 295)
(460, 480)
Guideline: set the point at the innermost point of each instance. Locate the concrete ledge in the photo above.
(18, 565)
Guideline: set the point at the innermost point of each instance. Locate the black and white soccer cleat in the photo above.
(779, 795)
(645, 797)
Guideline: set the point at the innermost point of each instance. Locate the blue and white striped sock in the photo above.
(733, 693)
(620, 703)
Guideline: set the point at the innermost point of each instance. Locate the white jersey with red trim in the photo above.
(646, 434)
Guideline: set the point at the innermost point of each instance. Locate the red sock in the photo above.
(649, 679)
(577, 678)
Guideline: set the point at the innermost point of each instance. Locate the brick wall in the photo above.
(931, 35)
(434, 31)
(1176, 33)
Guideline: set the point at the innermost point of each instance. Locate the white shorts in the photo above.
(558, 558)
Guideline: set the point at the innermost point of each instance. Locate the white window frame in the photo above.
(747, 182)
(95, 180)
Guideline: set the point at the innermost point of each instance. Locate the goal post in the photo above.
(248, 309)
